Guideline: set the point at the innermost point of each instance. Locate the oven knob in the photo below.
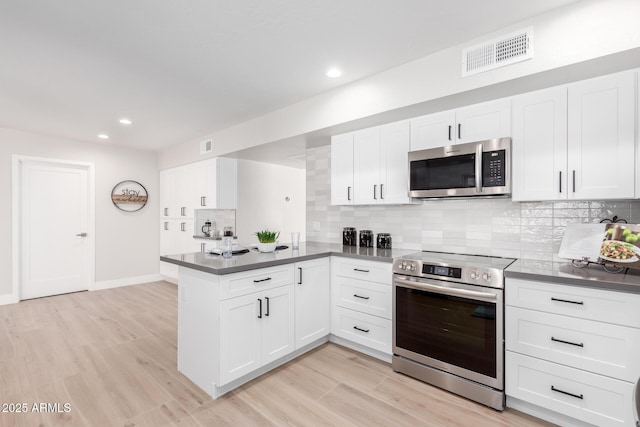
(474, 275)
(403, 265)
(412, 267)
(486, 276)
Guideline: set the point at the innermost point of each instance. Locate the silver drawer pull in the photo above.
(360, 296)
(361, 330)
(567, 301)
(262, 280)
(361, 271)
(567, 342)
(577, 396)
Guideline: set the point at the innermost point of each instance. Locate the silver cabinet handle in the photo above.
(81, 234)
(203, 201)
(202, 245)
(577, 396)
(348, 193)
(449, 132)
(300, 280)
(361, 271)
(360, 296)
(182, 211)
(459, 130)
(381, 187)
(574, 180)
(182, 226)
(375, 187)
(166, 225)
(567, 301)
(361, 329)
(166, 211)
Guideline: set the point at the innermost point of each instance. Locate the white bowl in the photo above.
(267, 247)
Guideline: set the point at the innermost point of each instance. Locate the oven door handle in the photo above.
(456, 292)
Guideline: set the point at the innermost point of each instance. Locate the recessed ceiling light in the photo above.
(124, 121)
(333, 73)
(103, 136)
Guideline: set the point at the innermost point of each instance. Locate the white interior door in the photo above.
(54, 225)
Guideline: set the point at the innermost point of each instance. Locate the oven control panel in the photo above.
(439, 270)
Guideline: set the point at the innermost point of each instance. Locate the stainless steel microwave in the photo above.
(480, 168)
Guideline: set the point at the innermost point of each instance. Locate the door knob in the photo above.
(81, 234)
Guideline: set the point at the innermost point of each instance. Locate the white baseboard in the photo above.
(108, 284)
(8, 299)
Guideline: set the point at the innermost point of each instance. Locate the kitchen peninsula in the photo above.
(242, 316)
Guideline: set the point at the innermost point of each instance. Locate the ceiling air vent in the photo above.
(504, 50)
(206, 146)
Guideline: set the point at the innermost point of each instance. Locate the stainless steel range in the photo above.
(448, 323)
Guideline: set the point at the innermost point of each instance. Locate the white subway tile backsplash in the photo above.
(497, 227)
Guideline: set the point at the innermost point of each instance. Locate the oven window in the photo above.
(443, 173)
(454, 330)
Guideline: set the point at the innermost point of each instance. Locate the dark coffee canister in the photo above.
(383, 241)
(349, 236)
(366, 239)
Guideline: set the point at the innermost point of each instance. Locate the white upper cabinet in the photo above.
(540, 145)
(168, 194)
(342, 169)
(433, 130)
(375, 170)
(601, 134)
(468, 124)
(575, 141)
(366, 166)
(394, 163)
(215, 184)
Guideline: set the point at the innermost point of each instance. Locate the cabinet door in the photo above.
(479, 122)
(185, 241)
(342, 169)
(169, 236)
(168, 194)
(240, 344)
(184, 192)
(394, 163)
(601, 137)
(433, 130)
(312, 301)
(540, 145)
(215, 184)
(277, 323)
(366, 166)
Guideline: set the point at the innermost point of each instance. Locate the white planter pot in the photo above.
(267, 247)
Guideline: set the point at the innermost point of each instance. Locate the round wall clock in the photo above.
(129, 196)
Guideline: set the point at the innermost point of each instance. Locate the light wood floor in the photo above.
(111, 355)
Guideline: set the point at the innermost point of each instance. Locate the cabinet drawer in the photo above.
(362, 269)
(370, 331)
(578, 394)
(246, 282)
(585, 303)
(364, 296)
(602, 348)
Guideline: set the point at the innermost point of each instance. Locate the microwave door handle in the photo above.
(456, 292)
(479, 168)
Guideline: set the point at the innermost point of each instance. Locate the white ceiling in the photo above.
(182, 69)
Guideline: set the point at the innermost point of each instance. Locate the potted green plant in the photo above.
(267, 240)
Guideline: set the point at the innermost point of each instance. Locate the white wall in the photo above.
(262, 189)
(127, 244)
(574, 34)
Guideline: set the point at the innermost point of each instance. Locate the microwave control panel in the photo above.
(493, 168)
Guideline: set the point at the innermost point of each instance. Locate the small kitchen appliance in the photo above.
(206, 229)
(448, 323)
(366, 238)
(349, 236)
(480, 168)
(383, 241)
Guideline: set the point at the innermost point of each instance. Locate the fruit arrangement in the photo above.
(627, 235)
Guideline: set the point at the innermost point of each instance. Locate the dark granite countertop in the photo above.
(594, 275)
(216, 264)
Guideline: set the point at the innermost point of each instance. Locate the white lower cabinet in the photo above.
(572, 350)
(584, 396)
(312, 301)
(361, 295)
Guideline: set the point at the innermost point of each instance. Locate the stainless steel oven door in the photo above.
(453, 327)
